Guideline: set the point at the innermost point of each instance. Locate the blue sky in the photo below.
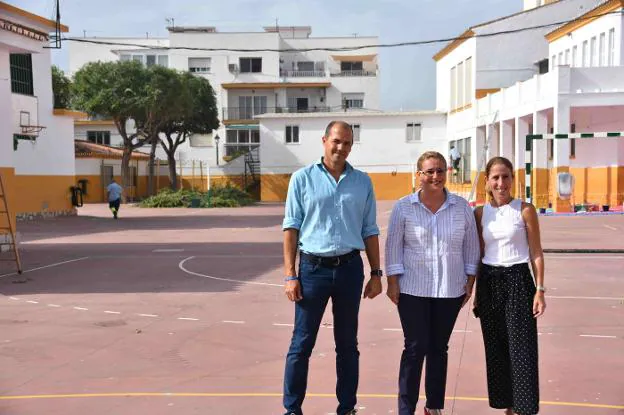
(407, 73)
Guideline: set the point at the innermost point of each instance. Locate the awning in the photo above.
(354, 58)
(242, 127)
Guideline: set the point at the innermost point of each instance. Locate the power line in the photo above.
(350, 48)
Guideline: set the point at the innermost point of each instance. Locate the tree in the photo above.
(197, 114)
(119, 91)
(61, 87)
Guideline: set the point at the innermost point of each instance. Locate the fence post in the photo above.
(180, 175)
(157, 175)
(193, 175)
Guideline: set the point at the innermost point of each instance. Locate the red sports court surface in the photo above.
(181, 311)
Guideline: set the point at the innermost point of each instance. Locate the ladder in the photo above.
(4, 211)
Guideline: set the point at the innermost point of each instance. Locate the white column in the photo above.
(561, 124)
(540, 126)
(492, 131)
(522, 130)
(506, 138)
(6, 112)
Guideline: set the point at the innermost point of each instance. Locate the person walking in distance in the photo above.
(114, 192)
(330, 217)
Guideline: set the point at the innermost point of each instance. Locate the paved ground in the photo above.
(181, 312)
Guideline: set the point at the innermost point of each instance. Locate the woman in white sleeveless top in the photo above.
(508, 299)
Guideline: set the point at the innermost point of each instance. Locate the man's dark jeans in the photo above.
(343, 285)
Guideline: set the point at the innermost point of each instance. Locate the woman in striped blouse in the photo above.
(432, 253)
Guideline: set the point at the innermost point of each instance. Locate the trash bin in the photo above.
(195, 202)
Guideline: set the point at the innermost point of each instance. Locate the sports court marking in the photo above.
(181, 266)
(275, 395)
(45, 266)
(611, 227)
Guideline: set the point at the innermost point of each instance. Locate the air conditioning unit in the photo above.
(233, 68)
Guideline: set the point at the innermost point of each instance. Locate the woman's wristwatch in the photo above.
(541, 288)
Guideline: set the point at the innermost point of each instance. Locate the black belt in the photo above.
(330, 261)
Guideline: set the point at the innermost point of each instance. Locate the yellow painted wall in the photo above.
(598, 185)
(540, 179)
(390, 186)
(8, 179)
(274, 187)
(41, 194)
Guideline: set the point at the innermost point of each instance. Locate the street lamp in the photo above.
(217, 138)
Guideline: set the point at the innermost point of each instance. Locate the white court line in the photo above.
(562, 297)
(112, 312)
(284, 324)
(14, 298)
(45, 266)
(233, 322)
(610, 227)
(81, 308)
(596, 336)
(54, 305)
(584, 256)
(168, 250)
(147, 315)
(32, 302)
(188, 319)
(181, 266)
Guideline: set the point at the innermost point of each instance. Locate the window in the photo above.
(468, 84)
(356, 132)
(99, 137)
(460, 85)
(21, 74)
(543, 66)
(250, 106)
(585, 54)
(611, 51)
(137, 58)
(603, 50)
(292, 134)
(238, 142)
(201, 65)
(125, 57)
(305, 66)
(593, 52)
(567, 56)
(249, 65)
(150, 60)
(352, 101)
(351, 66)
(574, 56)
(412, 132)
(163, 60)
(453, 87)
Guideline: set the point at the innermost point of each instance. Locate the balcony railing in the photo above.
(233, 150)
(244, 113)
(354, 73)
(303, 74)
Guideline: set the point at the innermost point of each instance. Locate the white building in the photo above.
(247, 84)
(36, 141)
(386, 146)
(543, 80)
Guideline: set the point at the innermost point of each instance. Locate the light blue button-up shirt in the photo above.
(432, 253)
(333, 218)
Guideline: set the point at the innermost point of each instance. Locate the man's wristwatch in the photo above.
(376, 273)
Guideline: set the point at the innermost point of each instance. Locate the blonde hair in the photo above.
(430, 155)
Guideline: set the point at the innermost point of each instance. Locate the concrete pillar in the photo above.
(478, 163)
(492, 131)
(561, 154)
(521, 131)
(539, 176)
(506, 139)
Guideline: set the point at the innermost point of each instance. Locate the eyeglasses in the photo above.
(431, 172)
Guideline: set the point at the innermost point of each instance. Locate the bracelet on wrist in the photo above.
(291, 278)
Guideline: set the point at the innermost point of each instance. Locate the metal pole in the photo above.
(193, 176)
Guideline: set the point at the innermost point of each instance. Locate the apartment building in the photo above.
(280, 77)
(542, 78)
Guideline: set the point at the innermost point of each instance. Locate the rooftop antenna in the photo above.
(170, 21)
(56, 37)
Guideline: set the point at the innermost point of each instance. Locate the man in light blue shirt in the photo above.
(114, 197)
(330, 216)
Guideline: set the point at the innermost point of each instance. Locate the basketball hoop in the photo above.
(31, 130)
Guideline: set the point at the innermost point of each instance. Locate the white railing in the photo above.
(304, 74)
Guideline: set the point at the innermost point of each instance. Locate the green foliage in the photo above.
(220, 196)
(62, 88)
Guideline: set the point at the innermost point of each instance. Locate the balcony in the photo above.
(246, 113)
(303, 74)
(354, 73)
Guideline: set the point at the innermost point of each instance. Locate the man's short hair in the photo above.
(337, 122)
(430, 155)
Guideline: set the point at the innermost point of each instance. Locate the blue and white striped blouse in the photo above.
(432, 253)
